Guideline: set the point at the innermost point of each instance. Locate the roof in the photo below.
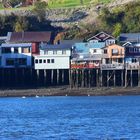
(129, 37)
(16, 45)
(29, 36)
(84, 47)
(102, 36)
(56, 47)
(99, 45)
(88, 57)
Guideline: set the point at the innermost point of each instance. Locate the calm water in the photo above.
(70, 118)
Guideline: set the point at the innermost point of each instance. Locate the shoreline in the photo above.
(66, 91)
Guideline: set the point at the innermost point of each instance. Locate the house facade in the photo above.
(102, 37)
(53, 57)
(132, 54)
(16, 55)
(87, 55)
(114, 57)
(36, 38)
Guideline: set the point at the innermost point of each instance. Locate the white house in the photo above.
(53, 57)
(16, 55)
(102, 37)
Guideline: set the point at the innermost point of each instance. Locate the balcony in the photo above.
(132, 66)
(112, 66)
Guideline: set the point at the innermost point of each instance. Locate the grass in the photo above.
(73, 3)
(63, 4)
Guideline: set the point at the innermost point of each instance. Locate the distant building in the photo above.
(53, 57)
(16, 55)
(129, 37)
(102, 37)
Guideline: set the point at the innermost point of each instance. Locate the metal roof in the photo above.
(16, 45)
(84, 47)
(29, 36)
(56, 47)
(132, 37)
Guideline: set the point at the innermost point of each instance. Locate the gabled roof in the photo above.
(14, 37)
(101, 36)
(129, 37)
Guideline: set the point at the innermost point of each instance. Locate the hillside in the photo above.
(80, 20)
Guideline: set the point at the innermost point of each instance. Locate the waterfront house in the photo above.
(53, 57)
(87, 55)
(102, 37)
(132, 54)
(113, 57)
(16, 55)
(129, 37)
(36, 38)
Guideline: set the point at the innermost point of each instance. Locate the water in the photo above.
(70, 118)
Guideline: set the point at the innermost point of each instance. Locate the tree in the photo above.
(117, 29)
(21, 24)
(40, 10)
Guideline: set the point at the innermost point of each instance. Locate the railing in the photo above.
(84, 66)
(111, 66)
(132, 66)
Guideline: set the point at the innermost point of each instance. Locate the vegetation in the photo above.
(123, 19)
(40, 10)
(72, 3)
(23, 23)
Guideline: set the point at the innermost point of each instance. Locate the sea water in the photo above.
(70, 118)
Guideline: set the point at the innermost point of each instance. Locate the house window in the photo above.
(22, 61)
(9, 62)
(45, 52)
(94, 51)
(134, 60)
(63, 51)
(105, 51)
(25, 50)
(40, 60)
(44, 61)
(52, 60)
(48, 60)
(15, 50)
(115, 52)
(36, 61)
(6, 50)
(54, 52)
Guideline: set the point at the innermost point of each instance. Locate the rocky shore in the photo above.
(66, 91)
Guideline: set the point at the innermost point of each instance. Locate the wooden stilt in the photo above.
(131, 75)
(122, 77)
(107, 78)
(89, 78)
(82, 77)
(114, 73)
(69, 78)
(52, 74)
(101, 78)
(126, 78)
(57, 80)
(139, 77)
